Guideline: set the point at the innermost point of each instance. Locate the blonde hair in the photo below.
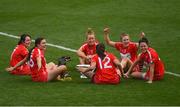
(123, 34)
(89, 32)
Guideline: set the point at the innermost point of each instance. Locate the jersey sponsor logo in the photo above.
(127, 55)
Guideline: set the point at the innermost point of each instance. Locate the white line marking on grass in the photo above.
(61, 47)
(49, 44)
(69, 49)
(174, 74)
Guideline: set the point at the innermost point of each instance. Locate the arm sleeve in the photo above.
(117, 45)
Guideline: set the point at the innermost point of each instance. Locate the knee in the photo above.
(62, 68)
(51, 63)
(136, 75)
(124, 60)
(81, 60)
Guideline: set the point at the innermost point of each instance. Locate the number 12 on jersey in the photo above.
(105, 63)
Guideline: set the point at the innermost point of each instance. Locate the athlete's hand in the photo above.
(9, 69)
(106, 30)
(88, 58)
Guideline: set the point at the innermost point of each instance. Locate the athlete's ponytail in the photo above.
(100, 49)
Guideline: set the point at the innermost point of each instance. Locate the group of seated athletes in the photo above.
(95, 63)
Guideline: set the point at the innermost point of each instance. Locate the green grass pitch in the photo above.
(64, 22)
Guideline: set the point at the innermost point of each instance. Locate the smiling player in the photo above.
(19, 56)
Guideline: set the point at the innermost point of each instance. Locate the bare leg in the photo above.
(126, 63)
(89, 74)
(129, 62)
(82, 61)
(53, 74)
(137, 75)
(50, 66)
(118, 72)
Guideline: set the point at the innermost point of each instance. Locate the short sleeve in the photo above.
(83, 47)
(117, 45)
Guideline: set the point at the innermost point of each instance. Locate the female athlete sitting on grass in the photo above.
(151, 60)
(41, 71)
(88, 49)
(104, 64)
(127, 49)
(19, 56)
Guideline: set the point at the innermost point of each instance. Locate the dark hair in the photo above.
(144, 39)
(37, 41)
(100, 49)
(23, 38)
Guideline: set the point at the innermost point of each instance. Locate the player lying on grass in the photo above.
(42, 72)
(88, 49)
(105, 65)
(150, 58)
(127, 49)
(18, 65)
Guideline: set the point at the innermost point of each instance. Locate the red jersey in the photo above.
(105, 70)
(127, 52)
(151, 56)
(18, 54)
(89, 50)
(40, 75)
